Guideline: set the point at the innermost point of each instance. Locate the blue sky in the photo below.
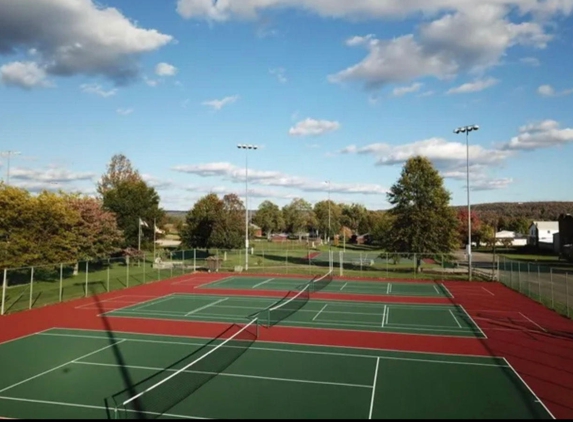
(334, 91)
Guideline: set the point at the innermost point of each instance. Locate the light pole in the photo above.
(329, 243)
(467, 130)
(8, 154)
(247, 148)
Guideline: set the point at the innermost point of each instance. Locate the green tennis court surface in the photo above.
(335, 286)
(450, 320)
(75, 374)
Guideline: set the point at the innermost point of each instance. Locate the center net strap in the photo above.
(153, 401)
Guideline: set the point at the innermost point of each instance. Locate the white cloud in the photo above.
(448, 157)
(54, 174)
(150, 82)
(312, 127)
(25, 75)
(274, 178)
(366, 9)
(77, 37)
(471, 40)
(157, 183)
(531, 61)
(549, 91)
(475, 86)
(544, 134)
(219, 104)
(98, 90)
(165, 69)
(279, 73)
(403, 90)
(483, 184)
(124, 111)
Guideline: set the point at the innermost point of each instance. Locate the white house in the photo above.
(541, 234)
(517, 239)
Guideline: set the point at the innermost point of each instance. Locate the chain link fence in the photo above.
(552, 286)
(33, 287)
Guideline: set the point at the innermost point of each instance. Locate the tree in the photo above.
(229, 230)
(321, 213)
(353, 215)
(130, 201)
(35, 230)
(519, 225)
(269, 218)
(298, 216)
(201, 221)
(462, 216)
(488, 235)
(119, 170)
(382, 228)
(423, 221)
(372, 220)
(96, 231)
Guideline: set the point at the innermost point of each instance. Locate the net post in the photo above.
(31, 287)
(4, 285)
(87, 273)
(61, 280)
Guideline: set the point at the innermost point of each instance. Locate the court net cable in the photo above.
(155, 395)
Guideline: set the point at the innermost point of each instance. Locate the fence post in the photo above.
(263, 259)
(567, 294)
(182, 262)
(360, 263)
(528, 281)
(286, 262)
(61, 281)
(386, 264)
(539, 282)
(87, 273)
(144, 265)
(107, 277)
(4, 285)
(195, 260)
(341, 259)
(31, 287)
(551, 282)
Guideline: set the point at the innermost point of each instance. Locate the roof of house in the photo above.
(547, 225)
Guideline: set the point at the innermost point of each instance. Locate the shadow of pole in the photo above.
(126, 377)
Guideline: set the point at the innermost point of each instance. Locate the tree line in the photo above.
(50, 228)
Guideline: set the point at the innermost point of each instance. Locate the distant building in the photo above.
(541, 234)
(517, 239)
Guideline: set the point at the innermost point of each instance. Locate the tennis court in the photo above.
(98, 374)
(336, 286)
(298, 310)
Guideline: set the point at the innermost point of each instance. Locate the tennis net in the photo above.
(288, 305)
(320, 283)
(155, 395)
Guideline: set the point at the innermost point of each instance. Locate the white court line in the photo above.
(387, 315)
(488, 291)
(24, 336)
(88, 406)
(59, 366)
(383, 316)
(319, 312)
(343, 286)
(436, 289)
(374, 388)
(388, 288)
(472, 320)
(529, 388)
(309, 352)
(447, 290)
(262, 282)
(90, 330)
(134, 304)
(223, 374)
(212, 283)
(455, 319)
(152, 302)
(206, 306)
(533, 322)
